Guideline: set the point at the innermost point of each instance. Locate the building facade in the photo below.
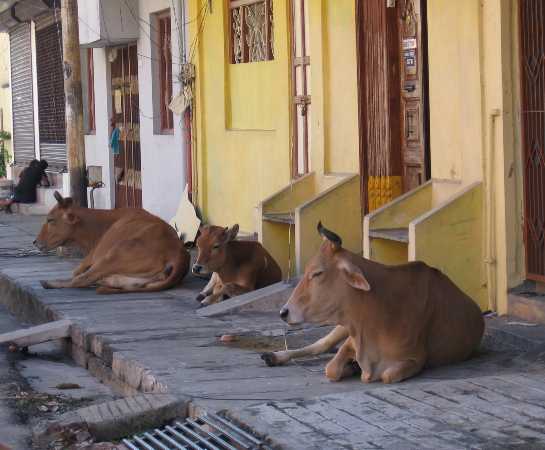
(427, 103)
(131, 54)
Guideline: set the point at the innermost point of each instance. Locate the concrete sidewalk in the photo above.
(157, 343)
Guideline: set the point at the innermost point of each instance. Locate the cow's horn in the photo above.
(58, 197)
(329, 235)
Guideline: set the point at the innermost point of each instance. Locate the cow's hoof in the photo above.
(366, 377)
(200, 297)
(45, 284)
(270, 359)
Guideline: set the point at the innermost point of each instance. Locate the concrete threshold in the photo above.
(267, 299)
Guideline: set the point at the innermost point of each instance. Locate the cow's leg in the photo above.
(86, 279)
(234, 289)
(209, 288)
(402, 370)
(342, 365)
(84, 266)
(322, 345)
(226, 290)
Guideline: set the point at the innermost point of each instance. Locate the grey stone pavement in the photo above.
(157, 343)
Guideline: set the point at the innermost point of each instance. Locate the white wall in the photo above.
(163, 160)
(162, 156)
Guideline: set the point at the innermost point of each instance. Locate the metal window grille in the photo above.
(251, 31)
(50, 82)
(165, 71)
(207, 432)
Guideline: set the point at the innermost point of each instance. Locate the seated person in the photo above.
(31, 177)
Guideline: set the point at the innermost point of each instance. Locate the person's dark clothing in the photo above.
(30, 178)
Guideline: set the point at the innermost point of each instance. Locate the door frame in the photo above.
(136, 199)
(362, 113)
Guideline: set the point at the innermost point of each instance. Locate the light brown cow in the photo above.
(237, 267)
(128, 250)
(398, 319)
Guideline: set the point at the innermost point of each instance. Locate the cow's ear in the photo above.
(68, 202)
(71, 218)
(231, 233)
(353, 275)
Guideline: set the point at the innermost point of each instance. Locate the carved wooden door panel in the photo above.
(411, 15)
(532, 72)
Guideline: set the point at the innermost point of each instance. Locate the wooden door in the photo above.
(392, 98)
(413, 71)
(126, 114)
(301, 100)
(532, 70)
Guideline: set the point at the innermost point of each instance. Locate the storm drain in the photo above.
(207, 432)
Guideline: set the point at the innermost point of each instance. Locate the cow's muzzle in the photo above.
(39, 245)
(197, 269)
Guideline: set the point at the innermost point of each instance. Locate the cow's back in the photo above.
(457, 324)
(253, 254)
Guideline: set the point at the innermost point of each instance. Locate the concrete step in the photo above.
(527, 306)
(270, 298)
(391, 234)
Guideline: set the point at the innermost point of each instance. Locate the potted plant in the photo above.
(4, 155)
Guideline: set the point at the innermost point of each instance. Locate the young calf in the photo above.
(128, 250)
(237, 267)
(395, 319)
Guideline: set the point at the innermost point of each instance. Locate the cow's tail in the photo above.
(172, 274)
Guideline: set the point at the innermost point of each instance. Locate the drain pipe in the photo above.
(490, 209)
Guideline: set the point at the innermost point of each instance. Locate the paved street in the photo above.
(157, 343)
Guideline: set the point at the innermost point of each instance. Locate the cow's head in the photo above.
(59, 226)
(330, 278)
(212, 246)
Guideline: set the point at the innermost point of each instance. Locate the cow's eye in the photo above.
(215, 247)
(50, 220)
(316, 274)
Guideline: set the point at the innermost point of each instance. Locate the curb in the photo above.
(115, 419)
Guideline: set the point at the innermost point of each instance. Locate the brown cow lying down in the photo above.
(128, 250)
(237, 267)
(395, 319)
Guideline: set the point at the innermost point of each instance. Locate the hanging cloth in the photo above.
(114, 140)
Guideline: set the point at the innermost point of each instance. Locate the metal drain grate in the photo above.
(207, 432)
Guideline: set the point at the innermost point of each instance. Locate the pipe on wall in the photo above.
(490, 212)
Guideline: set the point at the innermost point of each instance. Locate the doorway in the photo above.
(126, 116)
(532, 72)
(300, 87)
(393, 98)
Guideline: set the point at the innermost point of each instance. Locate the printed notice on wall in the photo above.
(409, 44)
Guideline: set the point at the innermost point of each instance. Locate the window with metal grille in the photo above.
(91, 126)
(50, 83)
(251, 31)
(165, 70)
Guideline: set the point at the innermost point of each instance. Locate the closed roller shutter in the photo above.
(50, 83)
(21, 85)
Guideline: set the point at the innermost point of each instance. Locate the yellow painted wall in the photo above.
(242, 121)
(5, 97)
(473, 66)
(243, 110)
(455, 89)
(340, 87)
